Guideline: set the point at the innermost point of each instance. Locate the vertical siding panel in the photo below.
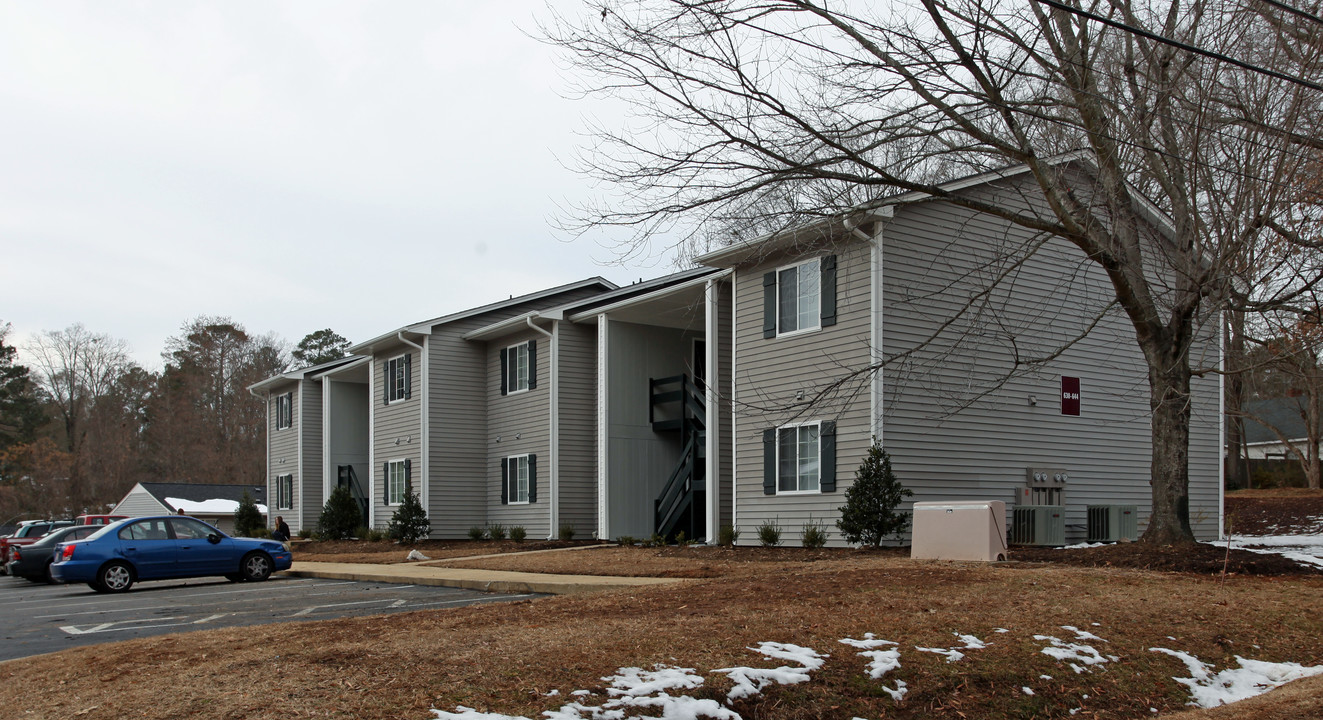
(578, 427)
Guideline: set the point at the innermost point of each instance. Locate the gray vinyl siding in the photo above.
(139, 503)
(283, 455)
(525, 414)
(459, 379)
(960, 425)
(769, 374)
(397, 428)
(308, 489)
(577, 366)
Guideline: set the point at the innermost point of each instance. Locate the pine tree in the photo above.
(340, 516)
(247, 518)
(869, 514)
(409, 523)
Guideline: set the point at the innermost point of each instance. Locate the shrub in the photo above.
(362, 532)
(375, 535)
(683, 540)
(261, 532)
(496, 532)
(869, 514)
(769, 533)
(728, 536)
(247, 518)
(477, 532)
(654, 540)
(566, 532)
(626, 540)
(814, 535)
(305, 533)
(341, 516)
(409, 524)
(518, 533)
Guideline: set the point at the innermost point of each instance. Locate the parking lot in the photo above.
(37, 619)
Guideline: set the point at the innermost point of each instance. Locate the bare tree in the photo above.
(752, 115)
(75, 367)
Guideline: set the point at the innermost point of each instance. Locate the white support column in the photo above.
(603, 426)
(713, 419)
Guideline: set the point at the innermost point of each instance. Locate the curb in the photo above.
(482, 581)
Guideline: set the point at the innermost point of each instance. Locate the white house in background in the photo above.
(1271, 420)
(214, 504)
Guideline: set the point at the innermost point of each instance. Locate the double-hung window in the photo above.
(800, 298)
(800, 458)
(519, 479)
(397, 481)
(397, 378)
(284, 411)
(284, 492)
(516, 368)
(799, 295)
(799, 467)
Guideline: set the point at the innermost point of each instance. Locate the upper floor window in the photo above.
(284, 411)
(398, 378)
(519, 367)
(800, 298)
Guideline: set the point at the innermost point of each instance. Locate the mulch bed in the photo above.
(1196, 558)
(1252, 513)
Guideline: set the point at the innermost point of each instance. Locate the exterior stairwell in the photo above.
(677, 405)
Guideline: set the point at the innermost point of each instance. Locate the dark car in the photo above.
(33, 562)
(27, 533)
(161, 548)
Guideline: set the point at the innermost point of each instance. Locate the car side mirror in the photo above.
(213, 538)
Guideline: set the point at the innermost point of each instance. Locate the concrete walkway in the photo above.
(484, 580)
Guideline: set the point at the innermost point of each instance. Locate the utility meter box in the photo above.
(960, 530)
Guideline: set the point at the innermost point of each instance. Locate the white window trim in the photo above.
(280, 480)
(512, 477)
(286, 399)
(408, 381)
(386, 489)
(779, 491)
(817, 326)
(510, 364)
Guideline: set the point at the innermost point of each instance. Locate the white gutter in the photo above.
(553, 440)
(423, 476)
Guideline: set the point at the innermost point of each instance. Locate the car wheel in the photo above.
(256, 566)
(96, 586)
(115, 577)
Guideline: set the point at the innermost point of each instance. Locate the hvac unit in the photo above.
(1113, 523)
(1038, 525)
(962, 530)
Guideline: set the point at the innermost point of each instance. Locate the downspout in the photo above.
(875, 298)
(553, 433)
(423, 477)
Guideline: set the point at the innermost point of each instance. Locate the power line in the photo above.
(1183, 46)
(1294, 11)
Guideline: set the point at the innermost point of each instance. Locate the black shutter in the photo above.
(408, 376)
(532, 364)
(505, 479)
(828, 301)
(385, 483)
(408, 475)
(532, 478)
(769, 305)
(827, 456)
(504, 375)
(385, 387)
(769, 462)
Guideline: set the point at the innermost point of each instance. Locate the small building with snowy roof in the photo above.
(214, 504)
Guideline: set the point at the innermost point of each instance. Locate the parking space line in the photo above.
(313, 608)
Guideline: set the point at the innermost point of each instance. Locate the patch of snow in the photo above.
(554, 692)
(750, 682)
(582, 692)
(1026, 690)
(1001, 630)
(880, 662)
(1082, 634)
(1044, 677)
(208, 507)
(637, 682)
(954, 654)
(415, 555)
(1304, 549)
(468, 713)
(1253, 677)
(1073, 653)
(1082, 546)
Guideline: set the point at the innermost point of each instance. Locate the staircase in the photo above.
(678, 405)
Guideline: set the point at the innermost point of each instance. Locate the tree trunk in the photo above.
(1236, 464)
(1169, 398)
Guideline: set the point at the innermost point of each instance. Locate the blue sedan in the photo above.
(160, 548)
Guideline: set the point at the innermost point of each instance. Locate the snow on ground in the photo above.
(880, 662)
(1074, 653)
(1304, 549)
(954, 653)
(1253, 677)
(751, 681)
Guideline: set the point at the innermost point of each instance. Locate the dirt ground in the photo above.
(386, 552)
(508, 658)
(1285, 511)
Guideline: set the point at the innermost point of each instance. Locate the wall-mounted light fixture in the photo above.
(1033, 399)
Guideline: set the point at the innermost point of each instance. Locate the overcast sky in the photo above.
(291, 165)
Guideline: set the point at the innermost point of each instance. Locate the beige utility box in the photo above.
(959, 530)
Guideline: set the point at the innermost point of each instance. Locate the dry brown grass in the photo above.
(505, 658)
